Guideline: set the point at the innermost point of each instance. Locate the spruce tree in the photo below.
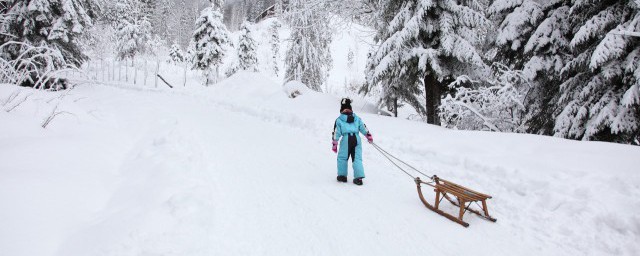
(247, 59)
(546, 51)
(424, 45)
(515, 21)
(209, 39)
(600, 96)
(175, 53)
(274, 41)
(308, 58)
(133, 37)
(57, 24)
(163, 13)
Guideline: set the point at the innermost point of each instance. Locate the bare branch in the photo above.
(19, 103)
(11, 97)
(53, 115)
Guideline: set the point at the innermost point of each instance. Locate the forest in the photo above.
(565, 68)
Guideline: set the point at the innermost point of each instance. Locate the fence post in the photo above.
(119, 71)
(112, 70)
(145, 72)
(102, 69)
(185, 75)
(135, 72)
(157, 70)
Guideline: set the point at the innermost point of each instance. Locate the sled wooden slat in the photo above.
(460, 192)
(464, 198)
(467, 189)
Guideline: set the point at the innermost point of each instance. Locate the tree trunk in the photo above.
(432, 91)
(395, 107)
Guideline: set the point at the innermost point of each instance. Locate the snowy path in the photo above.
(196, 173)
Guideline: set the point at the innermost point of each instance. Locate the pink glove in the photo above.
(369, 137)
(335, 146)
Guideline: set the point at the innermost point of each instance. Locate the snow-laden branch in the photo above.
(38, 65)
(626, 33)
(496, 104)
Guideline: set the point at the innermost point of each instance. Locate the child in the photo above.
(347, 126)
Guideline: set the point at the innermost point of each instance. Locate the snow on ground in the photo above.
(239, 168)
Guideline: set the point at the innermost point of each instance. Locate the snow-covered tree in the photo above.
(189, 56)
(274, 41)
(157, 46)
(217, 5)
(163, 14)
(209, 39)
(545, 53)
(423, 45)
(247, 55)
(308, 58)
(515, 20)
(57, 24)
(175, 54)
(494, 104)
(600, 96)
(133, 37)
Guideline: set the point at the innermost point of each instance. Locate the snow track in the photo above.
(239, 169)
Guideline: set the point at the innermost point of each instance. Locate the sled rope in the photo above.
(389, 156)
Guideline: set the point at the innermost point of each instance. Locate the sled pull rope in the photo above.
(389, 156)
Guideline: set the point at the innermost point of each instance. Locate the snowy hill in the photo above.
(240, 168)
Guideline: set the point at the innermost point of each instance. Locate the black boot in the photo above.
(357, 181)
(342, 178)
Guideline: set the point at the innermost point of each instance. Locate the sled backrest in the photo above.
(461, 192)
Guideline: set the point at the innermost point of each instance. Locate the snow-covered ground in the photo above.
(241, 169)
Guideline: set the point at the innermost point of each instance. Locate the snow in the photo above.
(239, 168)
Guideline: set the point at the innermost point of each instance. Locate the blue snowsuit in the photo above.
(347, 126)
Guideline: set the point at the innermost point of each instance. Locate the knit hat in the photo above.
(345, 104)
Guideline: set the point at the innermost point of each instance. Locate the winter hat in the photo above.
(345, 104)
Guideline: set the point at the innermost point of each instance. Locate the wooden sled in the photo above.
(464, 198)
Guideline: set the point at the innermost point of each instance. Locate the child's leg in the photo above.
(358, 168)
(343, 156)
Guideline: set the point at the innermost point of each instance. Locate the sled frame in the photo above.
(464, 198)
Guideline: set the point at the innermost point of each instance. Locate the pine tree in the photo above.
(175, 53)
(600, 96)
(133, 37)
(209, 39)
(162, 16)
(274, 41)
(308, 58)
(247, 58)
(544, 54)
(217, 5)
(515, 20)
(147, 7)
(424, 42)
(56, 24)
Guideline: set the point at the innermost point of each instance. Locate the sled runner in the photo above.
(464, 198)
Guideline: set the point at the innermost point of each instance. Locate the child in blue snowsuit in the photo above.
(347, 126)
